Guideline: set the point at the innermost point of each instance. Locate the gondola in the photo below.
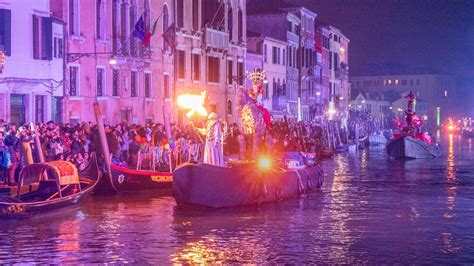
(241, 185)
(49, 188)
(377, 140)
(412, 148)
(123, 179)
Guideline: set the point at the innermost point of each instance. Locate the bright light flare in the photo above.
(194, 103)
(451, 127)
(264, 163)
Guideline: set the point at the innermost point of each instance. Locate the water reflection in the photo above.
(371, 210)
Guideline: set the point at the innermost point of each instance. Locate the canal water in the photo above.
(371, 209)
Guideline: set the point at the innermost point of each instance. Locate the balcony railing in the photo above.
(216, 39)
(130, 47)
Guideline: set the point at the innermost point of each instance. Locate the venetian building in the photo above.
(31, 74)
(106, 63)
(210, 51)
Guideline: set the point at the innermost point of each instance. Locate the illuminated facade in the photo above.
(210, 53)
(437, 91)
(31, 86)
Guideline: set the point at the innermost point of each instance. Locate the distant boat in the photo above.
(412, 148)
(242, 185)
(410, 142)
(49, 188)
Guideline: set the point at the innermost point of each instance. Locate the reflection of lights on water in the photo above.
(198, 252)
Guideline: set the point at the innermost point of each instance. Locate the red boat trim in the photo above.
(139, 172)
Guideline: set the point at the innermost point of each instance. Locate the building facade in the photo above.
(210, 53)
(322, 34)
(273, 52)
(107, 64)
(285, 28)
(339, 86)
(31, 83)
(437, 91)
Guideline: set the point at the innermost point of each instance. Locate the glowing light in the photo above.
(318, 93)
(438, 116)
(112, 61)
(264, 163)
(341, 98)
(451, 127)
(2, 60)
(363, 101)
(195, 103)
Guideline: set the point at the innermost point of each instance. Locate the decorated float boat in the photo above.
(123, 179)
(49, 187)
(410, 142)
(242, 184)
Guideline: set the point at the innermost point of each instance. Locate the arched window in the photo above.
(229, 107)
(240, 25)
(165, 25)
(230, 21)
(115, 24)
(133, 20)
(100, 19)
(179, 13)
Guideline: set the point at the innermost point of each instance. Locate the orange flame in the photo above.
(195, 103)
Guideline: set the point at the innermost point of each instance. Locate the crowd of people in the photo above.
(132, 145)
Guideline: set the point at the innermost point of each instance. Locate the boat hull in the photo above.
(377, 140)
(221, 187)
(14, 208)
(408, 147)
(128, 180)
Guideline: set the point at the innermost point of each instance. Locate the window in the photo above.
(389, 82)
(265, 59)
(417, 82)
(147, 85)
(165, 25)
(240, 72)
(289, 26)
(39, 108)
(115, 82)
(284, 57)
(229, 107)
(74, 17)
(181, 64)
(166, 86)
(123, 28)
(133, 84)
(5, 30)
(180, 13)
(195, 15)
(58, 47)
(240, 25)
(42, 38)
(396, 82)
(290, 56)
(404, 82)
(100, 82)
(100, 19)
(132, 21)
(274, 55)
(368, 108)
(213, 69)
(73, 80)
(230, 22)
(196, 67)
(229, 72)
(411, 82)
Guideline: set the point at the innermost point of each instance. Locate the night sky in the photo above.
(406, 36)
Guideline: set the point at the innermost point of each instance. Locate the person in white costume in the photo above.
(213, 153)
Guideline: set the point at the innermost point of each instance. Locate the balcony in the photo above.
(291, 37)
(130, 48)
(216, 39)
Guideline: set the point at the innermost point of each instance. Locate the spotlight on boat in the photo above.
(264, 163)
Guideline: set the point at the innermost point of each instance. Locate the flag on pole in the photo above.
(169, 35)
(139, 29)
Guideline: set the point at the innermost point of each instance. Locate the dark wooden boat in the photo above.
(49, 187)
(123, 179)
(412, 148)
(244, 185)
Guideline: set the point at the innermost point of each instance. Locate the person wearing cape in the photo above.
(213, 153)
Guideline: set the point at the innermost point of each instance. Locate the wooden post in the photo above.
(103, 138)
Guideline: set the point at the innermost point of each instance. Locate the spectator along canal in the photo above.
(370, 209)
